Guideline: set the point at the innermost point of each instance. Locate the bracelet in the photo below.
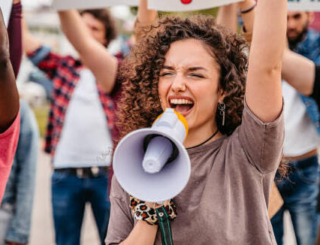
(248, 9)
(142, 211)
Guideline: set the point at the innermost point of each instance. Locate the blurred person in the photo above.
(9, 109)
(95, 57)
(193, 59)
(304, 75)
(298, 32)
(300, 188)
(16, 206)
(41, 79)
(80, 123)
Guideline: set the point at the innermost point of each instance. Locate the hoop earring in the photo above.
(222, 110)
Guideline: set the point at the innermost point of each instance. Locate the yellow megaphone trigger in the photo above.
(181, 118)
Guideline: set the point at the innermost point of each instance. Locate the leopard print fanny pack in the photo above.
(146, 213)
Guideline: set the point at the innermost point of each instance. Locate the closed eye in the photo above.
(196, 75)
(166, 74)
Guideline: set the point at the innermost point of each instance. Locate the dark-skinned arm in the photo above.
(15, 39)
(9, 98)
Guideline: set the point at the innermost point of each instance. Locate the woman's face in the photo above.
(189, 84)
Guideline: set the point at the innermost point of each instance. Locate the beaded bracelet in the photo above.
(146, 213)
(248, 9)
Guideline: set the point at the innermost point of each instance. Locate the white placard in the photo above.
(6, 6)
(186, 5)
(90, 4)
(304, 5)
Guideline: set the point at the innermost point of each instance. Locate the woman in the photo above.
(234, 143)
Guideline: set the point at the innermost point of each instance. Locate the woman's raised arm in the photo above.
(263, 91)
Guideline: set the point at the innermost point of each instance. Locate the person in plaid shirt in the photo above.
(80, 121)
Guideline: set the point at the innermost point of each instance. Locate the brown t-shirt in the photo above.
(226, 198)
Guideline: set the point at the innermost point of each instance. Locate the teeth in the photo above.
(181, 102)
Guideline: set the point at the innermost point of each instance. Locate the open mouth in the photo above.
(182, 106)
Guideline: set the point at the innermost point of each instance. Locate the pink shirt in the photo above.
(8, 145)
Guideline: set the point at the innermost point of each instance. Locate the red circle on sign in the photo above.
(186, 1)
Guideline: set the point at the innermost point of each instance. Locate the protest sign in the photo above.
(90, 4)
(6, 10)
(186, 5)
(304, 5)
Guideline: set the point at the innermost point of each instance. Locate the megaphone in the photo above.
(152, 164)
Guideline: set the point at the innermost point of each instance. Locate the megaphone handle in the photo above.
(164, 225)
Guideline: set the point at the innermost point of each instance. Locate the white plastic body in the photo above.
(157, 154)
(129, 157)
(169, 122)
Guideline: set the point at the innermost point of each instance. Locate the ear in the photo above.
(221, 95)
(310, 17)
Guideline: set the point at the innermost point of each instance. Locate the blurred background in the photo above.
(35, 88)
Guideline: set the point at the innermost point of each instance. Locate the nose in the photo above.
(291, 24)
(178, 84)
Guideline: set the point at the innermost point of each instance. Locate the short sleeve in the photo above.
(261, 142)
(121, 221)
(8, 146)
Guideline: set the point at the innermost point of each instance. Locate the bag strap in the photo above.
(164, 225)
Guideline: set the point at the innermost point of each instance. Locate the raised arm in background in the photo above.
(145, 18)
(247, 10)
(93, 54)
(9, 98)
(227, 17)
(263, 90)
(29, 43)
(298, 71)
(15, 39)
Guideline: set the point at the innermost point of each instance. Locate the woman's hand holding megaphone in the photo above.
(159, 166)
(157, 204)
(146, 211)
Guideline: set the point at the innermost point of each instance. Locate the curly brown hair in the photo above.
(140, 103)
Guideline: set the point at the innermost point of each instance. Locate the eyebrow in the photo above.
(168, 67)
(189, 69)
(196, 68)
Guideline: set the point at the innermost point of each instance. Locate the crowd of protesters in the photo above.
(251, 101)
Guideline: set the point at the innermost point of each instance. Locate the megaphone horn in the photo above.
(152, 164)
